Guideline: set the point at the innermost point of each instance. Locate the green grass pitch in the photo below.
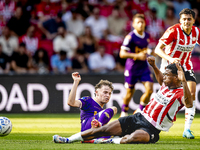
(35, 131)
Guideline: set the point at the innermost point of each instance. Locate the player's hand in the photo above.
(95, 123)
(181, 74)
(151, 61)
(76, 76)
(141, 56)
(175, 60)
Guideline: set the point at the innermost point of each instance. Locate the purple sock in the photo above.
(105, 116)
(125, 108)
(141, 107)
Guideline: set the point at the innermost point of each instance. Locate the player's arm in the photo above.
(187, 99)
(158, 73)
(72, 95)
(136, 56)
(159, 51)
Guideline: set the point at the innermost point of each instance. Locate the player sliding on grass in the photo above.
(157, 116)
(92, 112)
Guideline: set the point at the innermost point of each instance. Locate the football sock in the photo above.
(141, 107)
(75, 137)
(125, 108)
(106, 115)
(116, 140)
(189, 116)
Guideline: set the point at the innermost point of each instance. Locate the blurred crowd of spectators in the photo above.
(61, 36)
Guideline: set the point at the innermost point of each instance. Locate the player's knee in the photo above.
(193, 95)
(149, 91)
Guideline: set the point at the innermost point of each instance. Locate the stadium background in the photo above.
(47, 93)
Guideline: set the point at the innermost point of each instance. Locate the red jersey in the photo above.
(7, 10)
(180, 45)
(162, 109)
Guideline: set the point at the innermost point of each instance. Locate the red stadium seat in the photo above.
(47, 45)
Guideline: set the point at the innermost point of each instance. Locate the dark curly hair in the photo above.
(173, 68)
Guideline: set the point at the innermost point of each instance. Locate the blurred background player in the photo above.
(92, 112)
(134, 49)
(179, 41)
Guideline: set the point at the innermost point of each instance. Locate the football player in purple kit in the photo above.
(135, 50)
(92, 112)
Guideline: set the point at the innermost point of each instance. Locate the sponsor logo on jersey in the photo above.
(185, 49)
(161, 98)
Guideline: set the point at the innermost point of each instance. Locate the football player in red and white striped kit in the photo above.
(158, 115)
(176, 45)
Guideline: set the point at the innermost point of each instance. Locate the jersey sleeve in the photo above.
(198, 40)
(168, 36)
(126, 43)
(85, 102)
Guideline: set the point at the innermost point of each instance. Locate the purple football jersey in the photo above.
(89, 108)
(135, 43)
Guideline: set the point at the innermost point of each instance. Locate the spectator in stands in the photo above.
(46, 9)
(18, 24)
(41, 61)
(98, 24)
(84, 8)
(197, 17)
(116, 26)
(7, 9)
(65, 41)
(50, 27)
(4, 62)
(79, 62)
(180, 5)
(155, 27)
(101, 62)
(2, 23)
(30, 40)
(170, 17)
(87, 42)
(8, 42)
(160, 6)
(27, 7)
(75, 24)
(60, 63)
(20, 62)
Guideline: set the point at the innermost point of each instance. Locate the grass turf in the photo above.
(35, 131)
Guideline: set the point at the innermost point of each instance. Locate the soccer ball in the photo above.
(5, 126)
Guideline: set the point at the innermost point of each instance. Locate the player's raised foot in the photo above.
(103, 141)
(188, 134)
(123, 114)
(59, 139)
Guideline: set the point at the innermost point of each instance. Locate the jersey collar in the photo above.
(136, 33)
(184, 31)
